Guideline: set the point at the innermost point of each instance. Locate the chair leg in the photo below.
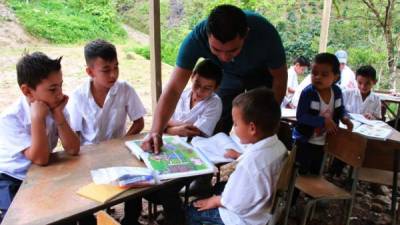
(349, 211)
(307, 212)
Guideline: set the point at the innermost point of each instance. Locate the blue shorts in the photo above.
(8, 188)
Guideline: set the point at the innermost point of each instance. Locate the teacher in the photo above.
(247, 48)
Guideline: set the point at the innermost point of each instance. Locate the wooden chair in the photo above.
(378, 167)
(284, 190)
(348, 147)
(104, 218)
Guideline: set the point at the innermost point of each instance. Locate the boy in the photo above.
(30, 128)
(99, 107)
(256, 117)
(199, 108)
(363, 100)
(319, 110)
(299, 66)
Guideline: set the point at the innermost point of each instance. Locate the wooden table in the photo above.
(48, 194)
(389, 98)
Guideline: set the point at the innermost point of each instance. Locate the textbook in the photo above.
(100, 192)
(215, 147)
(176, 159)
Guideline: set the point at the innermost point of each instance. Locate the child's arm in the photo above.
(136, 127)
(38, 152)
(184, 130)
(302, 114)
(231, 153)
(208, 203)
(69, 139)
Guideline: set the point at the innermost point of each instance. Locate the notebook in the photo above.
(100, 192)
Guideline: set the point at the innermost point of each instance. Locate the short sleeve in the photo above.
(135, 108)
(15, 137)
(276, 52)
(207, 121)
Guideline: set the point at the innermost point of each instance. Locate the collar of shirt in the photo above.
(260, 145)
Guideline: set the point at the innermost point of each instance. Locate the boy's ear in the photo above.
(253, 128)
(89, 71)
(27, 91)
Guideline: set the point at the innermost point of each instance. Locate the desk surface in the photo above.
(388, 97)
(48, 194)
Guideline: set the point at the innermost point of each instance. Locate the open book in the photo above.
(373, 129)
(215, 147)
(176, 159)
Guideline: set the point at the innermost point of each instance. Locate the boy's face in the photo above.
(104, 73)
(48, 90)
(202, 88)
(365, 84)
(322, 76)
(243, 130)
(299, 69)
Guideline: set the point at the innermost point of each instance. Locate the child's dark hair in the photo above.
(367, 71)
(100, 48)
(328, 58)
(260, 107)
(208, 70)
(35, 67)
(303, 61)
(225, 22)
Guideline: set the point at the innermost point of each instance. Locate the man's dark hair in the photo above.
(260, 107)
(225, 22)
(367, 71)
(330, 59)
(35, 67)
(100, 48)
(303, 61)
(209, 70)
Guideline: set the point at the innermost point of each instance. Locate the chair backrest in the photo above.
(347, 146)
(285, 134)
(380, 155)
(105, 219)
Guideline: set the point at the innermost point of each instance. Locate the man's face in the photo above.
(104, 73)
(342, 65)
(49, 90)
(225, 51)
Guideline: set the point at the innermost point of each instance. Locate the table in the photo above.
(389, 98)
(48, 194)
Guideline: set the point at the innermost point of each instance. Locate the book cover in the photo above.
(100, 192)
(176, 159)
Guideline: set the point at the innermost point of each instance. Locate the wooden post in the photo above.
(155, 52)
(326, 15)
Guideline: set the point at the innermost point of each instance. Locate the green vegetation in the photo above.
(69, 21)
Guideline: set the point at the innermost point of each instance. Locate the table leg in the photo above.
(394, 187)
(397, 117)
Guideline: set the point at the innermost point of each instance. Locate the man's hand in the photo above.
(208, 203)
(346, 121)
(39, 110)
(152, 142)
(230, 153)
(330, 126)
(58, 111)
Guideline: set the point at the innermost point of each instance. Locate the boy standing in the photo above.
(30, 128)
(199, 108)
(256, 117)
(99, 107)
(363, 100)
(319, 110)
(298, 68)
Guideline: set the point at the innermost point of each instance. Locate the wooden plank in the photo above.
(155, 52)
(326, 15)
(48, 194)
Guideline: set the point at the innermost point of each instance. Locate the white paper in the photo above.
(124, 176)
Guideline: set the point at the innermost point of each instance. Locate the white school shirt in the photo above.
(299, 89)
(326, 111)
(354, 104)
(292, 78)
(347, 79)
(204, 115)
(250, 188)
(97, 124)
(15, 136)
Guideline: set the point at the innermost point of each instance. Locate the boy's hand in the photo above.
(330, 126)
(39, 110)
(230, 153)
(152, 142)
(57, 111)
(208, 203)
(369, 116)
(186, 130)
(346, 121)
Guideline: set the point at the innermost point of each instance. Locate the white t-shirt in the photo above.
(326, 111)
(292, 78)
(15, 136)
(347, 79)
(250, 188)
(97, 124)
(354, 104)
(299, 89)
(204, 115)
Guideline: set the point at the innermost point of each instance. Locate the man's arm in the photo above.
(280, 82)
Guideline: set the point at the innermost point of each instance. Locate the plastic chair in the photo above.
(348, 147)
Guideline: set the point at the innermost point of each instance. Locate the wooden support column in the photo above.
(155, 52)
(326, 15)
